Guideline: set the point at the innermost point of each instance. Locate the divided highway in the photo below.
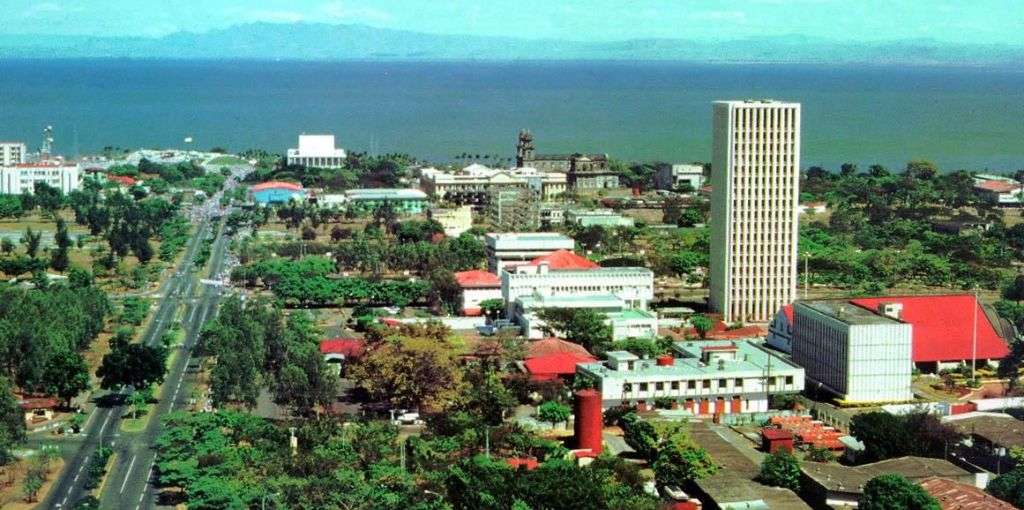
(129, 477)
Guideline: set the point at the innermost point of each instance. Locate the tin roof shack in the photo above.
(834, 485)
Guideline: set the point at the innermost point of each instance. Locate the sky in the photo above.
(956, 21)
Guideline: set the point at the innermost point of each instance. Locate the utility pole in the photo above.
(807, 275)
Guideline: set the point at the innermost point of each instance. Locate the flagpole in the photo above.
(974, 342)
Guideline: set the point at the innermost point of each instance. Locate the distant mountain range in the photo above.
(315, 41)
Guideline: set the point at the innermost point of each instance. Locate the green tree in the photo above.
(59, 258)
(31, 241)
(66, 375)
(493, 308)
(894, 492)
(702, 323)
(781, 469)
(132, 364)
(411, 372)
(139, 401)
(12, 421)
(553, 412)
(680, 464)
(582, 326)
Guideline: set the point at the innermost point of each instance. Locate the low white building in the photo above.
(703, 377)
(599, 217)
(624, 321)
(22, 178)
(565, 274)
(672, 177)
(12, 153)
(453, 221)
(317, 151)
(852, 352)
(507, 249)
(331, 200)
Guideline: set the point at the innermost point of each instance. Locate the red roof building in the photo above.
(276, 185)
(555, 365)
(477, 286)
(549, 346)
(123, 180)
(959, 496)
(564, 260)
(997, 186)
(343, 348)
(477, 279)
(943, 327)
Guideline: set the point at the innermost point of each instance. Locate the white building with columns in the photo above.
(755, 181)
(317, 151)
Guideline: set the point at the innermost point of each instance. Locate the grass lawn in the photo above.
(12, 497)
(133, 425)
(226, 161)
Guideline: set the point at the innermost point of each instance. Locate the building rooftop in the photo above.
(386, 194)
(564, 259)
(943, 326)
(607, 302)
(477, 278)
(835, 477)
(529, 241)
(555, 364)
(276, 185)
(631, 314)
(751, 360)
(960, 496)
(844, 311)
(553, 345)
(1000, 429)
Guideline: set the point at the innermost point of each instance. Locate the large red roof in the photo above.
(943, 326)
(564, 259)
(549, 346)
(562, 363)
(476, 278)
(276, 185)
(997, 186)
(348, 347)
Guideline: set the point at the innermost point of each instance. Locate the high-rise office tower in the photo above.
(755, 178)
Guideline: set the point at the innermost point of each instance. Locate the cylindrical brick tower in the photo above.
(589, 421)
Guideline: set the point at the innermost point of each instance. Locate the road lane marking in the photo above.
(128, 474)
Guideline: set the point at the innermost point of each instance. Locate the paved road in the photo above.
(103, 425)
(129, 482)
(129, 477)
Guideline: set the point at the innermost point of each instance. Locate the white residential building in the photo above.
(22, 178)
(672, 177)
(12, 153)
(705, 378)
(755, 190)
(504, 249)
(317, 151)
(853, 352)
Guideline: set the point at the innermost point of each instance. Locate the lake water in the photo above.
(957, 117)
